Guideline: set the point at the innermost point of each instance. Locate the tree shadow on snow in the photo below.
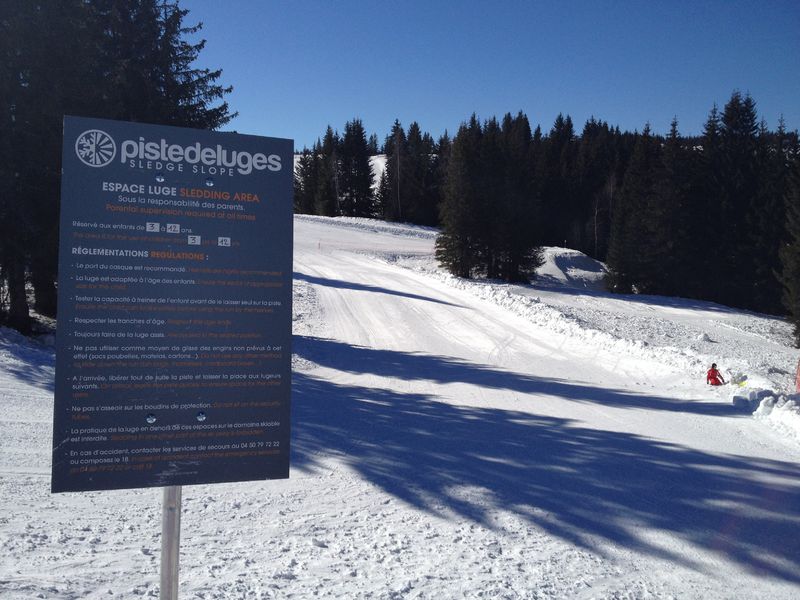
(586, 486)
(349, 285)
(442, 369)
(28, 362)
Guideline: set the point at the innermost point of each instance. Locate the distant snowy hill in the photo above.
(455, 439)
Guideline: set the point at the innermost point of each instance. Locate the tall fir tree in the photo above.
(706, 198)
(790, 251)
(517, 208)
(441, 163)
(489, 212)
(123, 59)
(458, 244)
(671, 222)
(48, 62)
(596, 183)
(306, 181)
(738, 190)
(491, 198)
(372, 143)
(393, 202)
(356, 180)
(383, 194)
(326, 195)
(420, 196)
(767, 216)
(555, 181)
(632, 256)
(150, 66)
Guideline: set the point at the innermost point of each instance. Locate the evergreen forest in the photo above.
(117, 59)
(714, 216)
(710, 217)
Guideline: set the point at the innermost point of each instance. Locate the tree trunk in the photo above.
(44, 289)
(18, 315)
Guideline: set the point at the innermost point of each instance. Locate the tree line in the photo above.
(711, 217)
(117, 59)
(714, 216)
(335, 176)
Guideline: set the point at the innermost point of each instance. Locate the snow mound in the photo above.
(563, 266)
(749, 400)
(780, 411)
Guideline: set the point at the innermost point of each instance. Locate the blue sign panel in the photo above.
(173, 360)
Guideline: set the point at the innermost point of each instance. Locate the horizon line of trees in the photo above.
(711, 217)
(117, 59)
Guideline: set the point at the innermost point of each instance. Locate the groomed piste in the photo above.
(455, 439)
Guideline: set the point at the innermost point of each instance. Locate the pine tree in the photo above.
(383, 194)
(555, 177)
(632, 256)
(374, 150)
(596, 183)
(738, 188)
(326, 195)
(120, 59)
(458, 245)
(790, 251)
(306, 177)
(46, 72)
(673, 225)
(489, 178)
(412, 190)
(439, 168)
(418, 177)
(393, 205)
(356, 180)
(766, 218)
(706, 198)
(149, 66)
(517, 210)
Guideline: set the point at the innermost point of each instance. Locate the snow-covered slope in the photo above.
(452, 439)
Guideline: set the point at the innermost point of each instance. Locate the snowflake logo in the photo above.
(95, 148)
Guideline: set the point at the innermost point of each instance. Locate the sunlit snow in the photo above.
(455, 439)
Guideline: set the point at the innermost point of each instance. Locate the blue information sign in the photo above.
(173, 360)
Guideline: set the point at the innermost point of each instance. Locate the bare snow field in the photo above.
(454, 439)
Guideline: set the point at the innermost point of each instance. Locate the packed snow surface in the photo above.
(455, 439)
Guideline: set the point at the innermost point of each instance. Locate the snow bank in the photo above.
(374, 226)
(780, 411)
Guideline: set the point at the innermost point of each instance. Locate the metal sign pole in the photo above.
(170, 542)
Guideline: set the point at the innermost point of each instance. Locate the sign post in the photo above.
(173, 357)
(170, 542)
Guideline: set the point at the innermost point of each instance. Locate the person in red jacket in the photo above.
(714, 377)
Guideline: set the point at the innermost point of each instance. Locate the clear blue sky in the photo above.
(298, 66)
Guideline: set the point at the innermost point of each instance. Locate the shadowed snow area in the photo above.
(453, 439)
